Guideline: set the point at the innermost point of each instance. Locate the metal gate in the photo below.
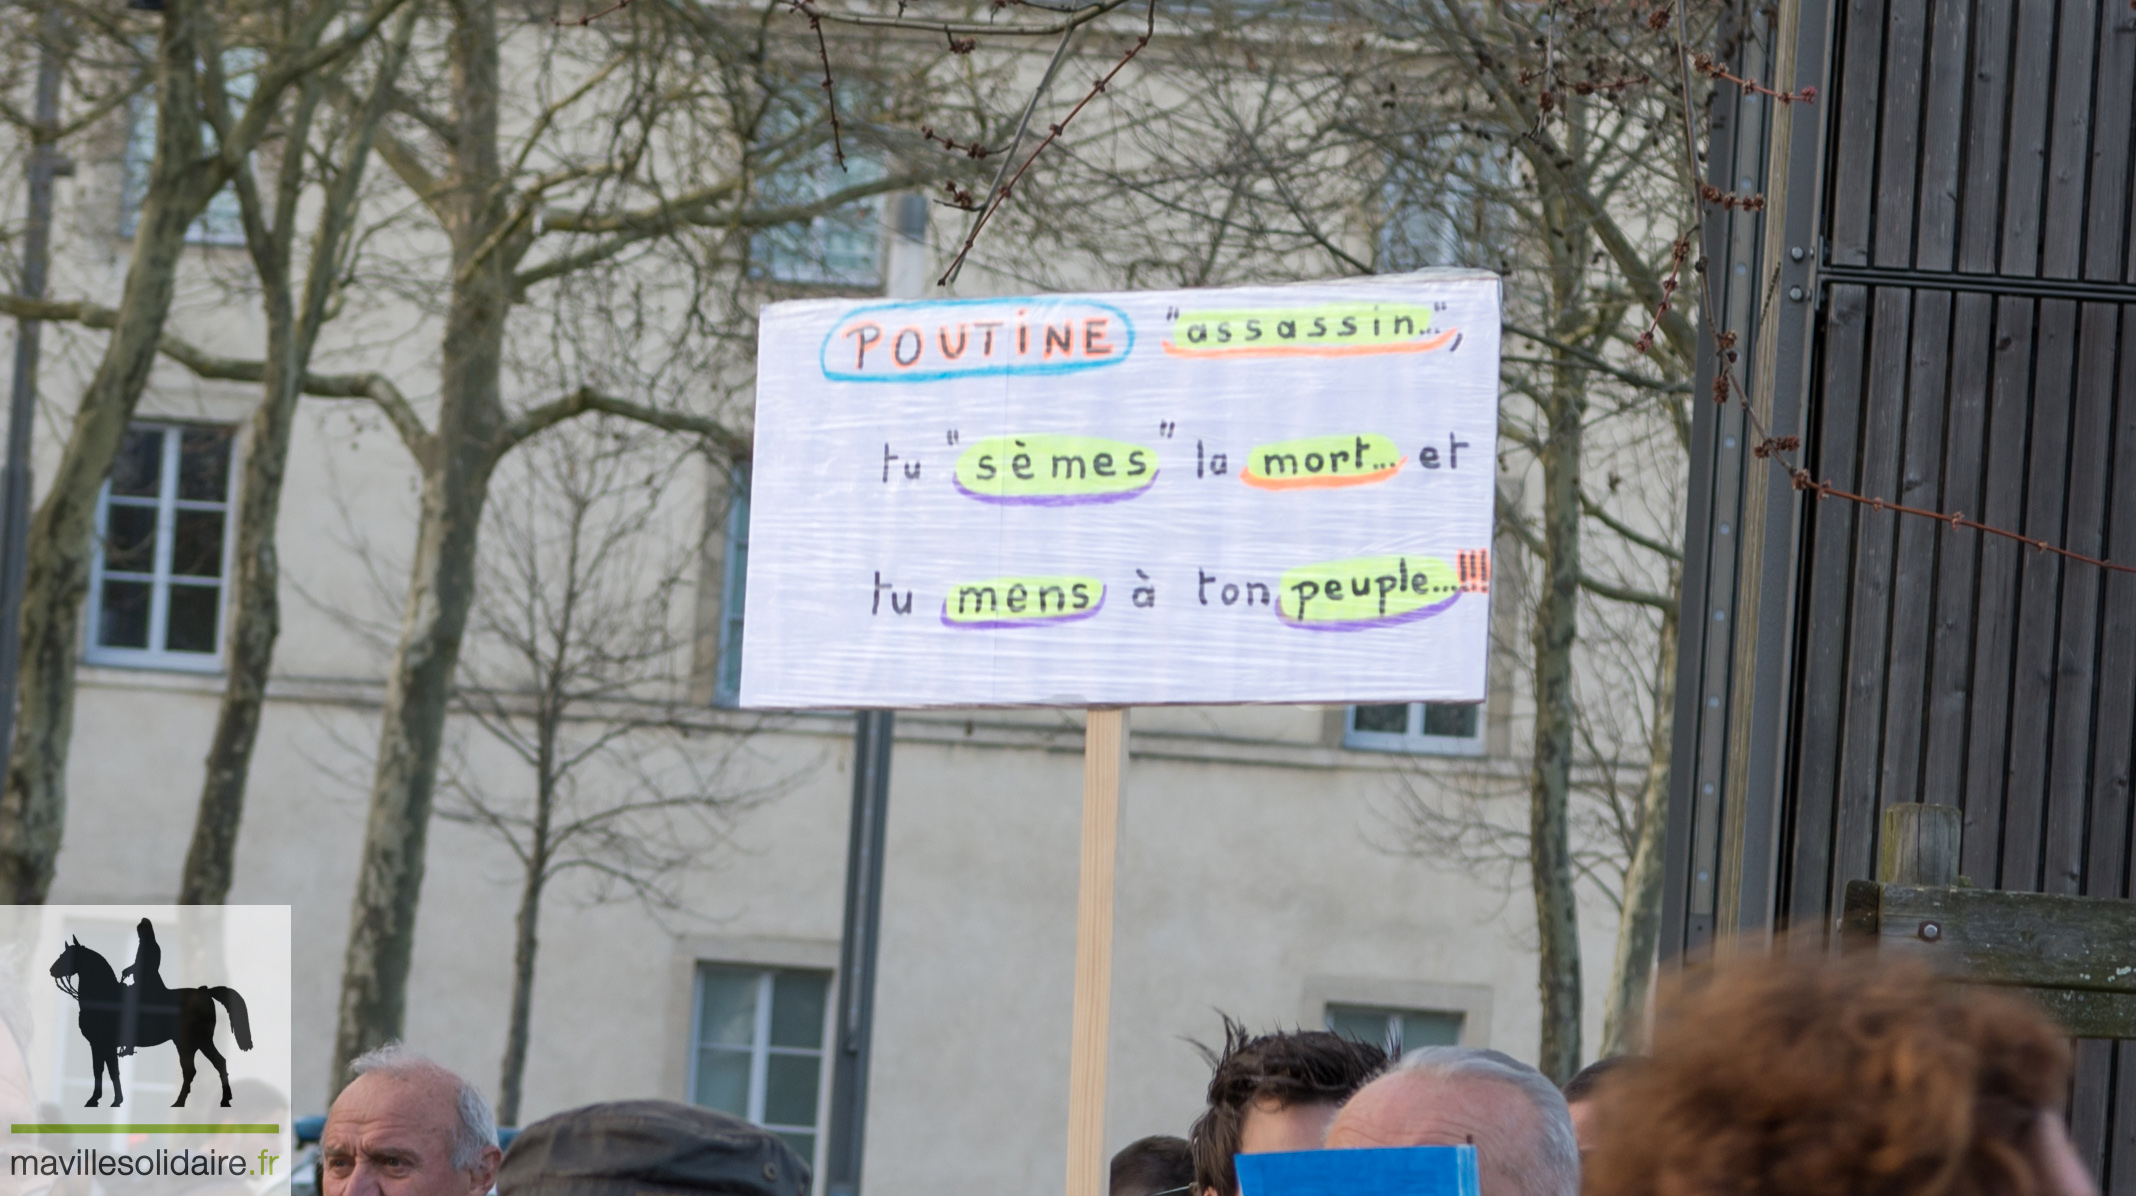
(1940, 299)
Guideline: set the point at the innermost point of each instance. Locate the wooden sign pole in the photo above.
(1104, 763)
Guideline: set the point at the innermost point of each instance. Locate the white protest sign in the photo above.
(1261, 494)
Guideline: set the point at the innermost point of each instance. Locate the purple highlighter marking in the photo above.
(1052, 621)
(1422, 612)
(1053, 500)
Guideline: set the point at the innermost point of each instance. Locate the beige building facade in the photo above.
(1262, 873)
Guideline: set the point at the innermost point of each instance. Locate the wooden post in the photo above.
(1919, 845)
(1104, 762)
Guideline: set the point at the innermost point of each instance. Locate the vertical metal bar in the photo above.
(906, 276)
(1711, 561)
(1728, 778)
(873, 731)
(1758, 764)
(45, 165)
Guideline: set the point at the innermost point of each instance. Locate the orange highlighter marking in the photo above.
(1423, 346)
(1322, 482)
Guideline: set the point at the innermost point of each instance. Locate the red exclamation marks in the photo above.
(1474, 567)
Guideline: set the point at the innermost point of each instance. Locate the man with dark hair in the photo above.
(1159, 1165)
(1580, 1092)
(1273, 1092)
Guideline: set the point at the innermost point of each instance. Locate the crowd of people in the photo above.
(1773, 1076)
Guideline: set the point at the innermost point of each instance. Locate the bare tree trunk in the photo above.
(33, 805)
(1550, 781)
(1639, 928)
(256, 622)
(1550, 866)
(418, 690)
(257, 619)
(549, 719)
(525, 942)
(457, 464)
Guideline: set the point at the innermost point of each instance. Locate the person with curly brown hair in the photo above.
(1866, 1076)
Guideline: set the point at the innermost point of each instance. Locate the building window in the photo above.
(1437, 207)
(734, 586)
(1432, 728)
(1395, 1029)
(163, 524)
(841, 248)
(759, 1048)
(222, 222)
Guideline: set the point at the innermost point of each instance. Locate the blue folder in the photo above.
(1395, 1171)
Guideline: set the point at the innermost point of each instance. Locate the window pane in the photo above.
(222, 222)
(129, 538)
(204, 463)
(1456, 721)
(1394, 720)
(190, 625)
(803, 1144)
(726, 1010)
(839, 247)
(797, 1009)
(790, 1089)
(138, 470)
(122, 620)
(723, 1081)
(140, 154)
(1430, 1029)
(196, 544)
(1365, 1025)
(849, 244)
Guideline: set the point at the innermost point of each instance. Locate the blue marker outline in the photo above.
(823, 360)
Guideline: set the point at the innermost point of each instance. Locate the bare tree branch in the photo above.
(1650, 543)
(585, 399)
(375, 387)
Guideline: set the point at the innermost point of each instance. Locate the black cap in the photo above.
(649, 1148)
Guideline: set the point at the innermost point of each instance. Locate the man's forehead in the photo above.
(412, 1103)
(1436, 1106)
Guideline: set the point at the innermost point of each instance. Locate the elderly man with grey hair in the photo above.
(1450, 1096)
(406, 1126)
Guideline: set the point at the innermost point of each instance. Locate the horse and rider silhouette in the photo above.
(117, 1017)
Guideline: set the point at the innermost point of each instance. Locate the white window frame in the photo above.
(1413, 740)
(761, 1050)
(160, 581)
(1395, 1014)
(1471, 1001)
